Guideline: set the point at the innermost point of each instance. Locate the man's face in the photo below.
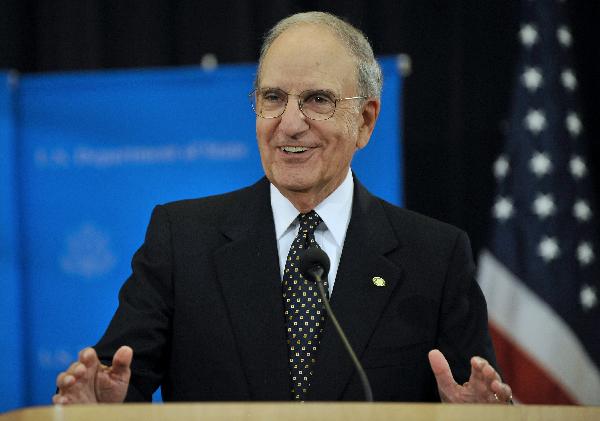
(309, 57)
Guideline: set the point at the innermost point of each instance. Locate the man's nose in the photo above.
(293, 121)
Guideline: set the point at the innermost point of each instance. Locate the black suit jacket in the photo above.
(203, 307)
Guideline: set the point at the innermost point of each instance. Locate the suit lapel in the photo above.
(248, 270)
(356, 300)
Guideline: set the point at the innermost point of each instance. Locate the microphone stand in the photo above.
(317, 272)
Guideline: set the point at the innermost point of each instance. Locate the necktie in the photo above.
(304, 313)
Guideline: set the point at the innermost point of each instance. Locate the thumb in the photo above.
(443, 375)
(122, 361)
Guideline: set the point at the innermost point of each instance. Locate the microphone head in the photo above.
(313, 259)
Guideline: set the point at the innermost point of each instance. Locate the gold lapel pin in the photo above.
(378, 281)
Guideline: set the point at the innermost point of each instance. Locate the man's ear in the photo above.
(369, 114)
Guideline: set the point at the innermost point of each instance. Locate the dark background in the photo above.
(456, 100)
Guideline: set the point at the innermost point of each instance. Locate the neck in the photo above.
(305, 201)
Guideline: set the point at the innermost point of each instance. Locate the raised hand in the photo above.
(484, 385)
(89, 381)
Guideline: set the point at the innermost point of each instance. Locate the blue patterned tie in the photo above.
(304, 314)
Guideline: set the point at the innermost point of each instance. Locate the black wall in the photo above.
(456, 99)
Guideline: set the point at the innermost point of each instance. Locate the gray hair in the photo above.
(370, 78)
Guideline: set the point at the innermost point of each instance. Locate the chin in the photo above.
(294, 184)
(291, 178)
(295, 187)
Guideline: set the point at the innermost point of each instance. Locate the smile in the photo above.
(294, 149)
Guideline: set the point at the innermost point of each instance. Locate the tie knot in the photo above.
(309, 221)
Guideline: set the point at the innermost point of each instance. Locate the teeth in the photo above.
(294, 149)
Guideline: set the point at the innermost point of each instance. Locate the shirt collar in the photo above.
(334, 210)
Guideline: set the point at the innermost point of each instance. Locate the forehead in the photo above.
(307, 57)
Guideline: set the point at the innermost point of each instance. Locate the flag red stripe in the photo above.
(529, 381)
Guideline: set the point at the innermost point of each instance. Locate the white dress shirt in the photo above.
(335, 212)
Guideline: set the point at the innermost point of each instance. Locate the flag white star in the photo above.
(577, 167)
(581, 210)
(543, 205)
(528, 35)
(503, 208)
(568, 79)
(573, 123)
(564, 36)
(535, 121)
(587, 297)
(540, 164)
(548, 248)
(532, 78)
(585, 253)
(501, 167)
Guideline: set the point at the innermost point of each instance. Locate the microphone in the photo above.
(314, 266)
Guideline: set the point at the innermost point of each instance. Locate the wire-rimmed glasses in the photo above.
(316, 104)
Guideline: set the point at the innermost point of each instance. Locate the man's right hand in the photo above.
(89, 381)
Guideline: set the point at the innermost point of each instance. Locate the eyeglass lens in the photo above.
(314, 104)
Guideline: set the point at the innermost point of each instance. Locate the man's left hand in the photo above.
(484, 385)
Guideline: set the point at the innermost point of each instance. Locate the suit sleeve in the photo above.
(463, 318)
(143, 317)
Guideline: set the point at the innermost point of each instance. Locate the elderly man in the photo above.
(215, 308)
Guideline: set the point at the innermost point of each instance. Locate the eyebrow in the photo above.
(323, 90)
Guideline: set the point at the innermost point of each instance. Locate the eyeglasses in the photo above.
(314, 104)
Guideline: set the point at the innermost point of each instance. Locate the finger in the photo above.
(60, 379)
(58, 399)
(483, 374)
(72, 366)
(443, 375)
(88, 357)
(122, 361)
(484, 367)
(494, 382)
(76, 371)
(66, 381)
(79, 370)
(486, 382)
(477, 365)
(508, 394)
(502, 391)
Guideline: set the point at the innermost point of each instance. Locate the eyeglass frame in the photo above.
(300, 102)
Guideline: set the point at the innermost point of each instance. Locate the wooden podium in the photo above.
(302, 412)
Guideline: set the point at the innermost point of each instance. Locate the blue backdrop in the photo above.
(85, 157)
(12, 376)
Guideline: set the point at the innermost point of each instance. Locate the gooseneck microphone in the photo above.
(314, 266)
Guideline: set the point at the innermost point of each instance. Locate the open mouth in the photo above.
(294, 149)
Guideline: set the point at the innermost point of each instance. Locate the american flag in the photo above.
(540, 273)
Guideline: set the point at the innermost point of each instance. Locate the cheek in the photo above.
(264, 131)
(350, 130)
